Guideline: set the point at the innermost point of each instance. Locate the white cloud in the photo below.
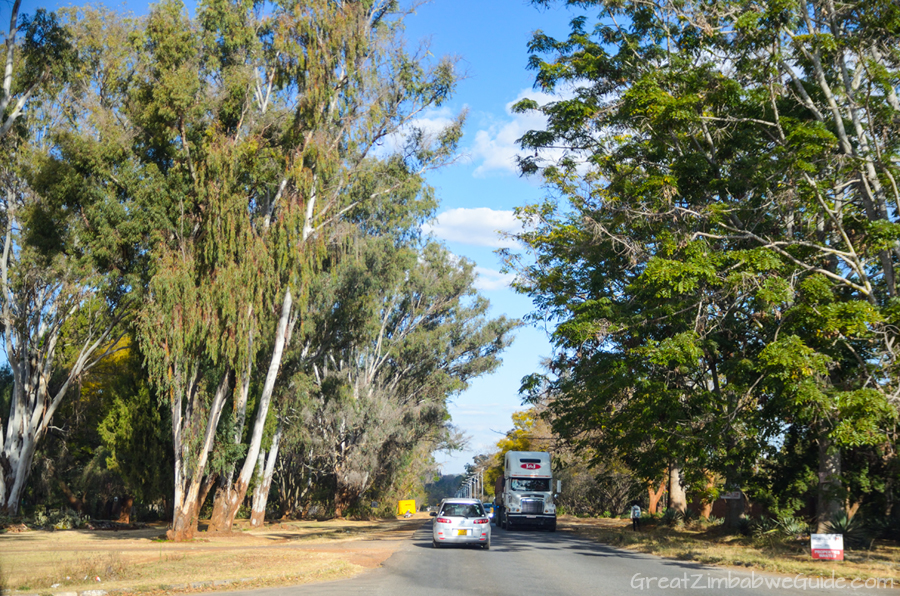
(481, 226)
(491, 279)
(497, 146)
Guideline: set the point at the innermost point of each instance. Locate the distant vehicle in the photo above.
(461, 521)
(489, 509)
(524, 492)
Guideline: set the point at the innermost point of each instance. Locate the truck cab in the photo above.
(525, 491)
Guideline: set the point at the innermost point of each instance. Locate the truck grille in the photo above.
(532, 506)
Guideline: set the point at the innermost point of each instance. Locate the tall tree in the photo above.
(398, 332)
(355, 89)
(719, 160)
(67, 259)
(255, 128)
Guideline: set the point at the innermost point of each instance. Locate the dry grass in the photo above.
(712, 546)
(140, 561)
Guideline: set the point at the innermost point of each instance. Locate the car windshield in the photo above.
(535, 484)
(462, 510)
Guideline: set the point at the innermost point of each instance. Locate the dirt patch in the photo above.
(140, 561)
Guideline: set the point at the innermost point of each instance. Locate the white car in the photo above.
(461, 521)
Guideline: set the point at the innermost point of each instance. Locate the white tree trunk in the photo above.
(231, 497)
(188, 482)
(677, 499)
(264, 479)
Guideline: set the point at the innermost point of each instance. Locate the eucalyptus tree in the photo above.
(67, 261)
(254, 129)
(350, 97)
(729, 169)
(399, 330)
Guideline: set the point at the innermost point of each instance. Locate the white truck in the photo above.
(524, 493)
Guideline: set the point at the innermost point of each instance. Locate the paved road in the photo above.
(535, 563)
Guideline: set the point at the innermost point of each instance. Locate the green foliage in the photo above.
(720, 280)
(856, 533)
(57, 519)
(792, 527)
(135, 427)
(672, 517)
(394, 329)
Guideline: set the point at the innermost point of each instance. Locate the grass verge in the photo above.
(712, 546)
(141, 561)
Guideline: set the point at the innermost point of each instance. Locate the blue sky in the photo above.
(478, 193)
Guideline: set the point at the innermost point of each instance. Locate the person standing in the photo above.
(635, 517)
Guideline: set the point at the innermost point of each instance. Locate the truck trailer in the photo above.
(524, 494)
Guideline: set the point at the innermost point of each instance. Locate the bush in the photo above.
(856, 534)
(883, 526)
(672, 517)
(760, 526)
(58, 519)
(791, 527)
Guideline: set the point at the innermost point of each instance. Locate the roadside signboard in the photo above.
(734, 494)
(827, 546)
(404, 507)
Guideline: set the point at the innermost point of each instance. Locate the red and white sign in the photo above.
(531, 466)
(827, 546)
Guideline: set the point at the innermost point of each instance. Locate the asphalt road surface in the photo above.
(538, 563)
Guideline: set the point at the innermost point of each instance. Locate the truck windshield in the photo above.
(536, 484)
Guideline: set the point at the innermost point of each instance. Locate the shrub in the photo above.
(58, 519)
(856, 534)
(791, 527)
(672, 517)
(883, 526)
(760, 526)
(712, 520)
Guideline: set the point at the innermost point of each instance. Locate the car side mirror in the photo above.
(433, 514)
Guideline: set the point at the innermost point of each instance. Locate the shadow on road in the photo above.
(527, 539)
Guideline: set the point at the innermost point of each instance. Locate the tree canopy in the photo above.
(719, 247)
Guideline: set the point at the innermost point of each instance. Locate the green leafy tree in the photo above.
(398, 331)
(719, 160)
(254, 130)
(135, 429)
(67, 261)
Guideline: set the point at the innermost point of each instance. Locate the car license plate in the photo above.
(531, 516)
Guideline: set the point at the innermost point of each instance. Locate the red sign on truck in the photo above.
(531, 466)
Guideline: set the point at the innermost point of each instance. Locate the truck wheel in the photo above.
(553, 526)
